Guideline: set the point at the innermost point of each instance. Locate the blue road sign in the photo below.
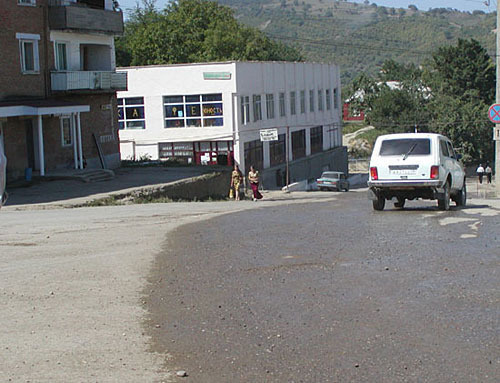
(494, 113)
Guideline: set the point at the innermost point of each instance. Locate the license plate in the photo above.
(401, 172)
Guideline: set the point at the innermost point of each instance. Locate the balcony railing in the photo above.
(88, 80)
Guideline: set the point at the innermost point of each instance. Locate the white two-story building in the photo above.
(213, 113)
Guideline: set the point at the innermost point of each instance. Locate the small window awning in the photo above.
(40, 108)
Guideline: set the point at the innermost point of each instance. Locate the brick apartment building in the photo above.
(58, 84)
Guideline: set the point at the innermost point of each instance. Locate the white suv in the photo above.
(415, 165)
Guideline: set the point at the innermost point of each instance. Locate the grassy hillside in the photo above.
(361, 37)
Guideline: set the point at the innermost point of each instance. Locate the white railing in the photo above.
(88, 80)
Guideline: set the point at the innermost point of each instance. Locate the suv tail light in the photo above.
(434, 172)
(373, 174)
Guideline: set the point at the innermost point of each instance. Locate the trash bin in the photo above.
(28, 172)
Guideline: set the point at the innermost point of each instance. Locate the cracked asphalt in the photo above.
(331, 291)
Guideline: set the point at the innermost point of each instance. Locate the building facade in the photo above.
(58, 84)
(213, 113)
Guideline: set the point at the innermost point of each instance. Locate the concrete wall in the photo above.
(307, 168)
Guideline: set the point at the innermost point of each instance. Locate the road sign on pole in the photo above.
(269, 135)
(494, 113)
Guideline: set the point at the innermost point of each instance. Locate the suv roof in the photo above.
(410, 135)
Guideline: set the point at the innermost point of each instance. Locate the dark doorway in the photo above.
(30, 143)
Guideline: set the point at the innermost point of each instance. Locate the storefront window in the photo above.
(254, 155)
(277, 150)
(193, 111)
(316, 139)
(299, 144)
(131, 113)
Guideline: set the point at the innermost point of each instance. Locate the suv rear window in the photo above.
(409, 146)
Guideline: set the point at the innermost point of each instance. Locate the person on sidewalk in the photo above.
(488, 171)
(236, 178)
(480, 173)
(253, 177)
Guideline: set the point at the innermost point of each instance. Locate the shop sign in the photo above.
(216, 75)
(269, 135)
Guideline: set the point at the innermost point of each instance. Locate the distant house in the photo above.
(213, 113)
(349, 113)
(58, 84)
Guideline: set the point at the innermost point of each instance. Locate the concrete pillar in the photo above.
(79, 133)
(41, 156)
(73, 135)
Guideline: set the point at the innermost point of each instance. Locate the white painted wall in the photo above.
(247, 79)
(104, 43)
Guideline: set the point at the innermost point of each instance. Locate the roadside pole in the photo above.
(497, 126)
(288, 155)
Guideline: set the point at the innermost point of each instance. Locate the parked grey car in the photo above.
(333, 181)
(3, 176)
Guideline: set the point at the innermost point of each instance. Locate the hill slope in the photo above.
(361, 37)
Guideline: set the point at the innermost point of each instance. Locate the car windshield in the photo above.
(330, 175)
(406, 147)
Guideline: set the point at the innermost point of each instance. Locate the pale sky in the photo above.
(463, 5)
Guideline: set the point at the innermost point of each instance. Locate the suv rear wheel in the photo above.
(379, 203)
(444, 201)
(461, 198)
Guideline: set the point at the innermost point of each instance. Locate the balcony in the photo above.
(67, 81)
(83, 17)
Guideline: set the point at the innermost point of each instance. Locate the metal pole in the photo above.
(497, 142)
(287, 156)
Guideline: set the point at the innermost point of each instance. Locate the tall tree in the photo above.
(462, 79)
(194, 31)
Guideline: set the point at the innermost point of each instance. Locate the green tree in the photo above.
(462, 79)
(193, 31)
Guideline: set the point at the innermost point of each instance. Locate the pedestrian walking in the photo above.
(236, 178)
(488, 171)
(480, 173)
(253, 177)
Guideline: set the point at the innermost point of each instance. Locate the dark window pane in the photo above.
(193, 122)
(174, 110)
(172, 99)
(174, 123)
(134, 101)
(193, 98)
(136, 125)
(212, 97)
(121, 125)
(193, 110)
(119, 101)
(120, 113)
(134, 112)
(213, 122)
(418, 146)
(212, 110)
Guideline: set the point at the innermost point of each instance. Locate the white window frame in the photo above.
(311, 100)
(257, 107)
(61, 124)
(282, 104)
(245, 110)
(293, 103)
(26, 3)
(302, 101)
(328, 99)
(320, 100)
(56, 54)
(270, 106)
(33, 39)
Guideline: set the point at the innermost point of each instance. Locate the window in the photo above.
(302, 101)
(257, 107)
(26, 2)
(311, 100)
(277, 150)
(282, 105)
(131, 113)
(270, 106)
(450, 150)
(299, 144)
(28, 50)
(320, 99)
(61, 56)
(405, 147)
(293, 104)
(444, 148)
(182, 151)
(66, 131)
(254, 155)
(196, 111)
(328, 100)
(336, 98)
(316, 139)
(245, 109)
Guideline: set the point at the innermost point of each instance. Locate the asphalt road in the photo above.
(331, 292)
